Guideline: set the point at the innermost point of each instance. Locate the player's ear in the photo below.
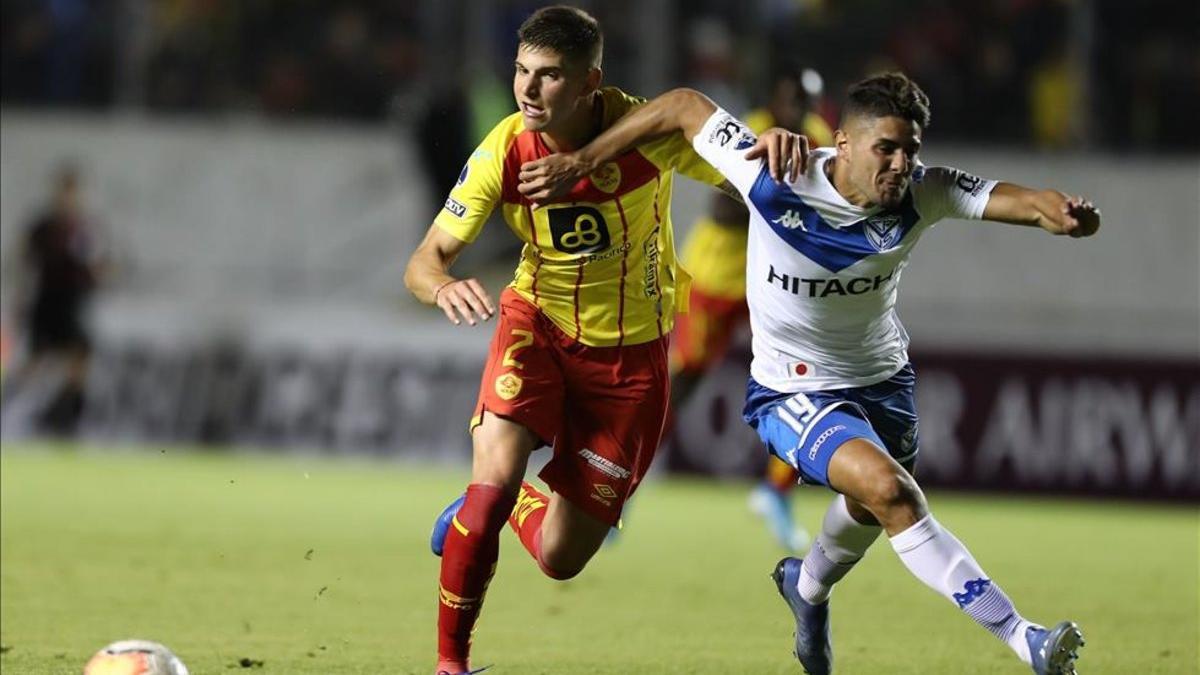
(841, 141)
(594, 77)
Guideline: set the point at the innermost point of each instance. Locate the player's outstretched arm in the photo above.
(1051, 210)
(427, 277)
(677, 110)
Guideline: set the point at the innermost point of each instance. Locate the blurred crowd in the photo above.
(1046, 73)
(278, 57)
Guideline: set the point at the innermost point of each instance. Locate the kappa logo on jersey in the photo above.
(883, 231)
(462, 175)
(908, 441)
(791, 219)
(578, 229)
(456, 207)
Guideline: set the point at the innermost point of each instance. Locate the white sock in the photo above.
(940, 560)
(842, 543)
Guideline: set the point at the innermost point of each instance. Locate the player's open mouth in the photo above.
(532, 110)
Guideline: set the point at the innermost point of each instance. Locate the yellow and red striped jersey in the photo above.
(715, 252)
(599, 262)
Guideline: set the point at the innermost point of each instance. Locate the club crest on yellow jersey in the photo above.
(607, 178)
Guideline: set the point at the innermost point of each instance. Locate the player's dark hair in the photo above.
(569, 31)
(888, 95)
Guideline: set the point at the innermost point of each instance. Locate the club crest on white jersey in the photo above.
(883, 231)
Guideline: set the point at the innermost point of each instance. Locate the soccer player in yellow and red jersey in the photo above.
(579, 357)
(714, 252)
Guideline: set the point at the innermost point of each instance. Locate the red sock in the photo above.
(780, 475)
(526, 521)
(468, 562)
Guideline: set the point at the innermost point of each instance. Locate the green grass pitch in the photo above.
(320, 566)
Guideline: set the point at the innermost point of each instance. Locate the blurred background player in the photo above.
(714, 252)
(61, 266)
(579, 357)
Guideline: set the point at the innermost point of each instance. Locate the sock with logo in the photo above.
(526, 521)
(468, 563)
(842, 543)
(940, 560)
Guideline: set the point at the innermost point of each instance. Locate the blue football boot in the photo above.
(1054, 651)
(437, 540)
(813, 647)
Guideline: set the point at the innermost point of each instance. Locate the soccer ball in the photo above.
(135, 657)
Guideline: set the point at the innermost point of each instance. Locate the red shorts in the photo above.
(601, 408)
(702, 336)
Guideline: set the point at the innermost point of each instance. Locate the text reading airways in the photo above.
(821, 288)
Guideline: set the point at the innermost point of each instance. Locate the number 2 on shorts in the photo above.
(525, 338)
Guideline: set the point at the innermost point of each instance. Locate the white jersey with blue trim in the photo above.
(821, 273)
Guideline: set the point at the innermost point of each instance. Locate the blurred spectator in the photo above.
(57, 52)
(1053, 73)
(1055, 91)
(62, 263)
(443, 135)
(711, 64)
(191, 49)
(348, 80)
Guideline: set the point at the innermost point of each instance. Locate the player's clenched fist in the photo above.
(464, 298)
(1080, 217)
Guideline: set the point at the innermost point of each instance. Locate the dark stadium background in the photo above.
(261, 170)
(258, 172)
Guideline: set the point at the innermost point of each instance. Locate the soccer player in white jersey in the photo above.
(831, 391)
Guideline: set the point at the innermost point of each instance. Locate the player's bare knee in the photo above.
(500, 454)
(560, 573)
(891, 494)
(561, 563)
(568, 544)
(861, 514)
(498, 469)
